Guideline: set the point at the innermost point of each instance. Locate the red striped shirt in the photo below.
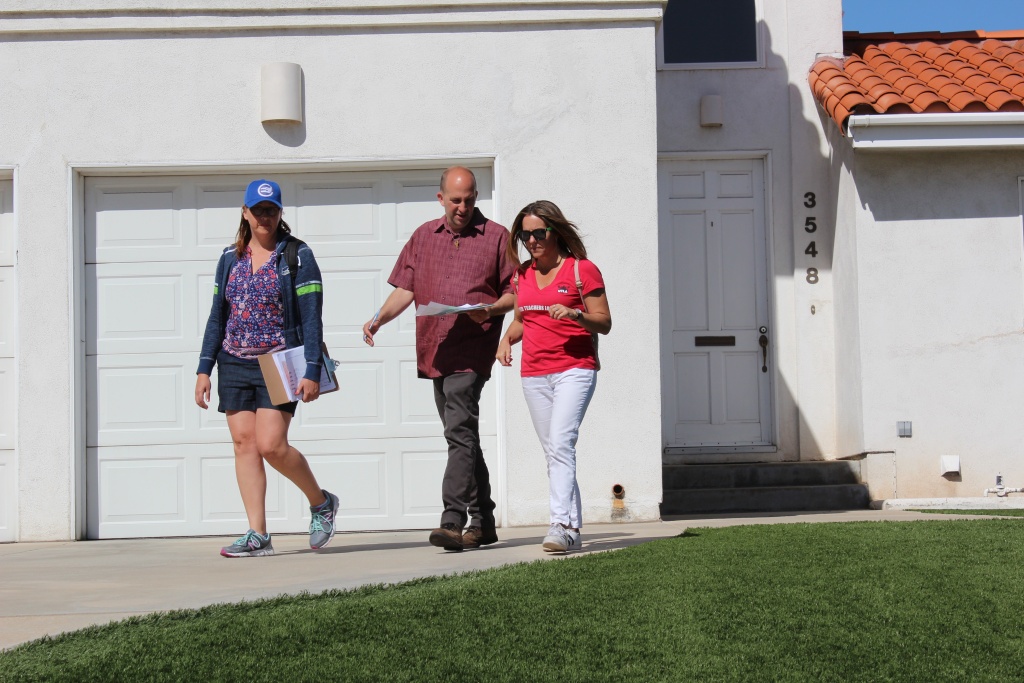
(469, 268)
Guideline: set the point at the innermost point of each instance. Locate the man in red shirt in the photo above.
(458, 259)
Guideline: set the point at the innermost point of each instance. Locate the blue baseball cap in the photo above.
(263, 191)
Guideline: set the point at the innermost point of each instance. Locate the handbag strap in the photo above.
(579, 283)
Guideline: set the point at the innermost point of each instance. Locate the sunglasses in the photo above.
(264, 211)
(538, 234)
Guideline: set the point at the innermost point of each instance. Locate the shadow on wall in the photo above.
(799, 269)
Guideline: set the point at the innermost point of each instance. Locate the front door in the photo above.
(716, 333)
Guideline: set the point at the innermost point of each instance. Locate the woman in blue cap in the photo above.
(260, 306)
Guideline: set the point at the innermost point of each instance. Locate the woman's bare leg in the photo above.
(249, 471)
(272, 445)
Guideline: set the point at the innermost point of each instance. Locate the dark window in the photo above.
(709, 31)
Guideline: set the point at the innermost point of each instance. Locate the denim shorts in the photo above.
(240, 386)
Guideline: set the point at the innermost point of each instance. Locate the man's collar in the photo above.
(476, 223)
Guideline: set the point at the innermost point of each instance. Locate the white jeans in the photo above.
(557, 404)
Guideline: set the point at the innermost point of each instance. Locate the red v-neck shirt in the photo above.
(550, 345)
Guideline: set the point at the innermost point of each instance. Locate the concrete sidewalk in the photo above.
(47, 588)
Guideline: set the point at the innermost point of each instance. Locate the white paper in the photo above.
(434, 308)
(291, 365)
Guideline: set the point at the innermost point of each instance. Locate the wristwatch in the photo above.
(577, 314)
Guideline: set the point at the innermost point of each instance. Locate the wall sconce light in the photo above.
(711, 111)
(281, 93)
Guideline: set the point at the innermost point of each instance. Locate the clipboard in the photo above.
(283, 369)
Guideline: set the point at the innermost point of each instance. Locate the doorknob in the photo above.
(763, 341)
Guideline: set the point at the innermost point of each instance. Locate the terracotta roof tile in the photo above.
(885, 73)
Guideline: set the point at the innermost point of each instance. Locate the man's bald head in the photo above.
(459, 176)
(458, 197)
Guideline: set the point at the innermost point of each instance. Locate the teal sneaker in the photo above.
(321, 526)
(249, 545)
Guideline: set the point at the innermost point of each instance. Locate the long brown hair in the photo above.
(568, 234)
(244, 235)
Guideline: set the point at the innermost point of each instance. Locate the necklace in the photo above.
(545, 272)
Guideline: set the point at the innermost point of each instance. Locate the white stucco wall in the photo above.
(567, 109)
(938, 272)
(769, 111)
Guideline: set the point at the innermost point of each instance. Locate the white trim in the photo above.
(218, 16)
(11, 173)
(773, 330)
(300, 165)
(1020, 234)
(700, 66)
(78, 524)
(501, 385)
(79, 171)
(888, 132)
(728, 155)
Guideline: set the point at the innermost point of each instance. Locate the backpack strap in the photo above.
(291, 255)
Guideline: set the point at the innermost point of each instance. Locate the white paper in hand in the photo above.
(291, 364)
(434, 308)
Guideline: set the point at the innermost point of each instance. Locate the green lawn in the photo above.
(1006, 512)
(911, 601)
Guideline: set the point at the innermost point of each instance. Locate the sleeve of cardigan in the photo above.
(211, 337)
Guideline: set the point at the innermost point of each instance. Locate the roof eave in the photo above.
(960, 131)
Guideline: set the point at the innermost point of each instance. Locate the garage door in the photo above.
(160, 466)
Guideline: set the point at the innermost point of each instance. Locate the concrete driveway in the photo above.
(48, 588)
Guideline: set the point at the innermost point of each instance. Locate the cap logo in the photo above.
(265, 190)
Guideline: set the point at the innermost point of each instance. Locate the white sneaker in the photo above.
(561, 540)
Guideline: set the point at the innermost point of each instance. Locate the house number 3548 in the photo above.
(810, 225)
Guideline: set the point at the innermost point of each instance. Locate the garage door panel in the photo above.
(359, 400)
(136, 404)
(218, 213)
(340, 212)
(6, 223)
(8, 312)
(221, 500)
(142, 490)
(188, 489)
(417, 397)
(417, 203)
(8, 405)
(147, 307)
(422, 475)
(129, 219)
(8, 496)
(350, 299)
(359, 481)
(137, 307)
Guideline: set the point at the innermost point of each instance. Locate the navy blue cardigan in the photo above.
(302, 297)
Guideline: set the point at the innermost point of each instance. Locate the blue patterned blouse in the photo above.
(256, 323)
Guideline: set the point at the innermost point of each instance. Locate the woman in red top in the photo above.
(560, 309)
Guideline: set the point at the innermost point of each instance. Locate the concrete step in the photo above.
(757, 475)
(765, 499)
